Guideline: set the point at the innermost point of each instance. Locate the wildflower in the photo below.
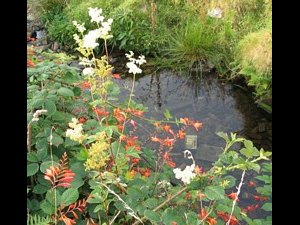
(98, 153)
(130, 55)
(80, 27)
(259, 198)
(185, 120)
(202, 213)
(133, 68)
(200, 195)
(141, 60)
(251, 208)
(166, 128)
(88, 71)
(133, 123)
(181, 134)
(95, 15)
(89, 40)
(100, 112)
(116, 76)
(30, 63)
(197, 125)
(225, 217)
(76, 133)
(147, 172)
(168, 142)
(211, 221)
(215, 13)
(82, 120)
(135, 160)
(85, 61)
(185, 175)
(198, 170)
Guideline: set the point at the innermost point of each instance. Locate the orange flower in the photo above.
(185, 120)
(155, 139)
(137, 112)
(86, 84)
(232, 196)
(259, 198)
(135, 160)
(198, 170)
(166, 128)
(100, 112)
(132, 173)
(211, 221)
(147, 172)
(188, 195)
(82, 120)
(116, 76)
(202, 213)
(197, 125)
(168, 142)
(171, 163)
(174, 223)
(181, 134)
(225, 217)
(250, 208)
(30, 63)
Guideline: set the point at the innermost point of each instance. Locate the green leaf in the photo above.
(267, 207)
(53, 197)
(47, 207)
(40, 189)
(249, 153)
(167, 114)
(50, 107)
(31, 157)
(77, 182)
(192, 218)
(32, 169)
(41, 154)
(46, 165)
(69, 196)
(223, 135)
(253, 166)
(214, 192)
(248, 144)
(132, 152)
(56, 139)
(66, 92)
(151, 203)
(152, 216)
(173, 215)
(77, 91)
(265, 178)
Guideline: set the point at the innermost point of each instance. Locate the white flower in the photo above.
(75, 134)
(95, 15)
(141, 60)
(130, 56)
(85, 61)
(89, 40)
(80, 27)
(89, 71)
(74, 123)
(133, 68)
(215, 13)
(185, 175)
(37, 114)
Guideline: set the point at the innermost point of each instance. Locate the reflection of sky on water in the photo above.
(220, 106)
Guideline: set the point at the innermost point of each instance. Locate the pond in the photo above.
(218, 105)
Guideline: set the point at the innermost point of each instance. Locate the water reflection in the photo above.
(220, 106)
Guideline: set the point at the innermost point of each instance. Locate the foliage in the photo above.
(86, 164)
(254, 57)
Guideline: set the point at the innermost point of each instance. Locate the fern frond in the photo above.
(38, 220)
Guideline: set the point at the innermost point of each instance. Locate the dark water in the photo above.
(219, 106)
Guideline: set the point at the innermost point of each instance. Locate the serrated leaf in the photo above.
(223, 135)
(249, 153)
(248, 144)
(152, 216)
(69, 196)
(214, 192)
(253, 166)
(66, 92)
(32, 169)
(32, 157)
(40, 189)
(50, 107)
(267, 207)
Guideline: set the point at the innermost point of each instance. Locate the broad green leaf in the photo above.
(267, 207)
(173, 215)
(41, 154)
(247, 152)
(69, 196)
(40, 189)
(32, 157)
(32, 169)
(46, 165)
(253, 166)
(192, 218)
(77, 182)
(248, 144)
(214, 192)
(223, 135)
(66, 92)
(152, 216)
(265, 178)
(151, 203)
(56, 139)
(47, 207)
(50, 107)
(53, 197)
(77, 91)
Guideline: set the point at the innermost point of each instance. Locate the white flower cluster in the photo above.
(90, 39)
(37, 114)
(75, 133)
(187, 174)
(133, 62)
(215, 13)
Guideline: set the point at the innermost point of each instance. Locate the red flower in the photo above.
(188, 195)
(250, 208)
(116, 76)
(30, 63)
(200, 195)
(168, 142)
(133, 123)
(174, 223)
(166, 128)
(211, 221)
(251, 184)
(147, 172)
(171, 163)
(232, 196)
(82, 120)
(259, 198)
(155, 139)
(202, 213)
(198, 170)
(225, 217)
(135, 160)
(100, 112)
(185, 121)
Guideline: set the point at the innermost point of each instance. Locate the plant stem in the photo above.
(236, 197)
(54, 189)
(163, 204)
